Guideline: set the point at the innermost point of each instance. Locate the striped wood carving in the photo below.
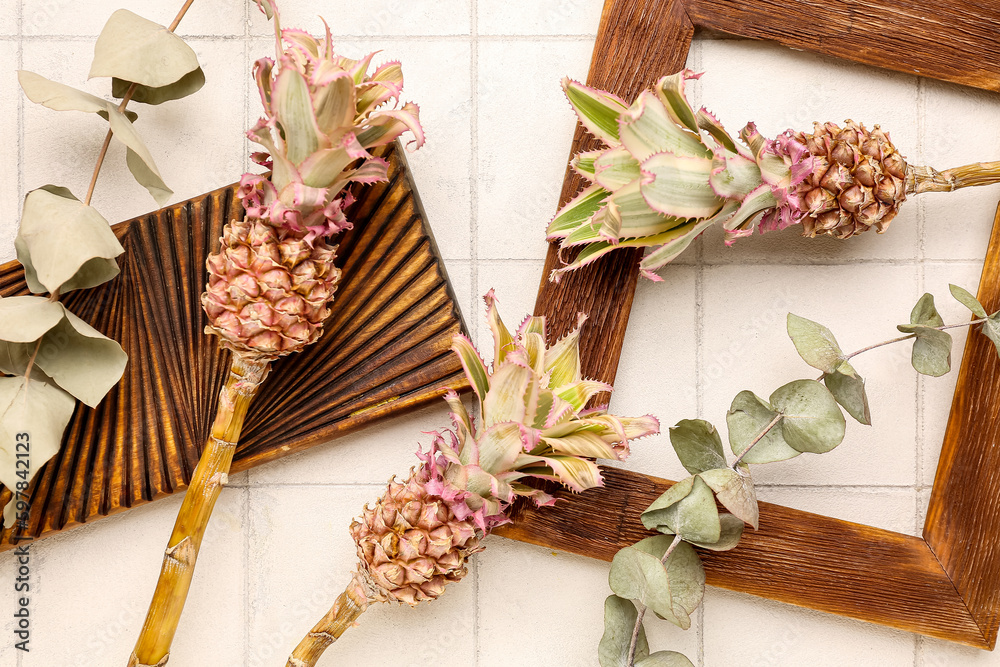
(385, 351)
(945, 585)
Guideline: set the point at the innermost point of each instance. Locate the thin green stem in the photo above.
(909, 336)
(642, 608)
(758, 438)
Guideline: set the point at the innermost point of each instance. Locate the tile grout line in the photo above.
(699, 357)
(247, 495)
(474, 251)
(19, 22)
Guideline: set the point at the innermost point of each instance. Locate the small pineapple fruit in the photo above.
(419, 535)
(271, 284)
(667, 172)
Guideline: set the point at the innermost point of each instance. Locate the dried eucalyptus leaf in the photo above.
(664, 659)
(736, 492)
(849, 389)
(619, 623)
(991, 329)
(139, 160)
(137, 49)
(77, 357)
(81, 360)
(812, 420)
(964, 297)
(698, 445)
(685, 575)
(25, 319)
(695, 517)
(40, 410)
(58, 96)
(748, 416)
(131, 115)
(189, 84)
(64, 244)
(924, 313)
(671, 496)
(931, 351)
(814, 343)
(637, 575)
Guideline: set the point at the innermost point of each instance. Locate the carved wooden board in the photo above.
(385, 351)
(946, 585)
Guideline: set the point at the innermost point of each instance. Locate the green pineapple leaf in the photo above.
(849, 389)
(698, 445)
(473, 364)
(678, 186)
(964, 297)
(597, 110)
(577, 211)
(64, 244)
(748, 416)
(687, 509)
(812, 420)
(814, 343)
(619, 623)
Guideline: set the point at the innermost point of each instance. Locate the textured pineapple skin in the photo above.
(269, 290)
(857, 181)
(411, 543)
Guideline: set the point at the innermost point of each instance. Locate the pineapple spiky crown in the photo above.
(323, 112)
(535, 422)
(668, 172)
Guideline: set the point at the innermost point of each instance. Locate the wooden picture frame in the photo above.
(945, 584)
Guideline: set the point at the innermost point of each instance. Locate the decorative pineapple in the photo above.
(271, 284)
(418, 536)
(667, 173)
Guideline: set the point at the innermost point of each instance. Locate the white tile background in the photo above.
(486, 76)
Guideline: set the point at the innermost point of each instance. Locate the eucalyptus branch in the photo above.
(757, 438)
(642, 607)
(121, 107)
(911, 336)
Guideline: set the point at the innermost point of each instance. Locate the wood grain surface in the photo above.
(385, 351)
(945, 586)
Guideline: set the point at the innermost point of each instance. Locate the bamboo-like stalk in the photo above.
(153, 646)
(928, 179)
(345, 611)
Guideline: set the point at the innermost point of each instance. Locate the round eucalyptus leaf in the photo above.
(664, 659)
(188, 84)
(698, 445)
(137, 49)
(40, 412)
(25, 319)
(849, 389)
(64, 244)
(685, 575)
(637, 575)
(812, 420)
(736, 492)
(991, 329)
(619, 623)
(693, 517)
(931, 351)
(925, 313)
(814, 343)
(964, 297)
(81, 360)
(668, 498)
(747, 418)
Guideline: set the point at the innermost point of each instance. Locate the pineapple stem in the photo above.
(153, 646)
(342, 615)
(927, 179)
